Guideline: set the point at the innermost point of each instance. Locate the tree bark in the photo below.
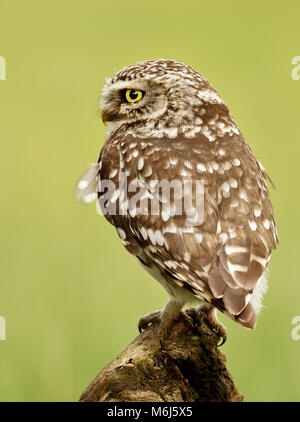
(189, 368)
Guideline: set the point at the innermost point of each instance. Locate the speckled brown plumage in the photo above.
(182, 131)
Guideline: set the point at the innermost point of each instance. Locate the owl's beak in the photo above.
(109, 114)
(104, 117)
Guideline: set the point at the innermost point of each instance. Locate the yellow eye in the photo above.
(132, 95)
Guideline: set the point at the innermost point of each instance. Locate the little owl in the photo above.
(208, 246)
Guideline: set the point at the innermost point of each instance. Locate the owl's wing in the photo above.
(218, 247)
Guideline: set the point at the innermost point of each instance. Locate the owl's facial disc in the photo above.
(132, 101)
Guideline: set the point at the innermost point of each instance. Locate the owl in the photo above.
(185, 193)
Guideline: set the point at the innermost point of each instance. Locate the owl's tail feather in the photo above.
(247, 318)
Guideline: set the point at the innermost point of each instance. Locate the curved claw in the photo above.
(223, 339)
(219, 329)
(188, 321)
(211, 320)
(148, 319)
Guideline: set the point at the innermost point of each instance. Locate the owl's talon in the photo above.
(188, 321)
(223, 339)
(219, 330)
(166, 325)
(148, 320)
(210, 318)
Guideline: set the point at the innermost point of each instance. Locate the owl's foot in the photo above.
(167, 322)
(166, 318)
(148, 320)
(210, 317)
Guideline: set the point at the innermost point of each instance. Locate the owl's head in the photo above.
(156, 93)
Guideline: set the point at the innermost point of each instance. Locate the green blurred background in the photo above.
(70, 293)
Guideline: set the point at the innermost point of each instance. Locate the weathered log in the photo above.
(188, 368)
